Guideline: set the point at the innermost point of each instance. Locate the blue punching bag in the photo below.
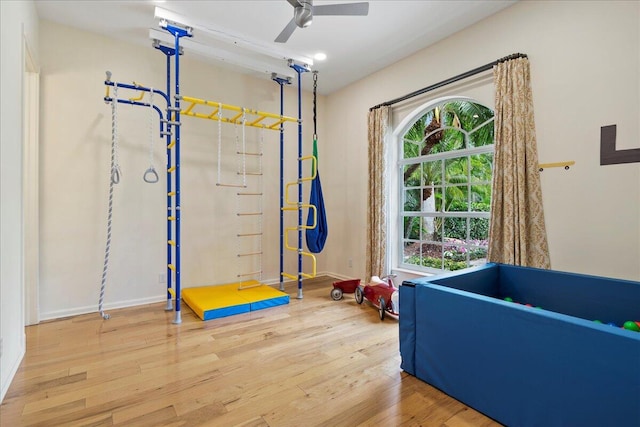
(316, 237)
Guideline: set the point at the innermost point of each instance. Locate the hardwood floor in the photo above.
(312, 362)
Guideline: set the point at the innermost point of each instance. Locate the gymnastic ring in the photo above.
(154, 176)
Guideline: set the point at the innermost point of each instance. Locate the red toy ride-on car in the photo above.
(382, 293)
(344, 287)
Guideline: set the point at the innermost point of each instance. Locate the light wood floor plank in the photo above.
(312, 362)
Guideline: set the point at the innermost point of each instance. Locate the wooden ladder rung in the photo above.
(249, 274)
(250, 254)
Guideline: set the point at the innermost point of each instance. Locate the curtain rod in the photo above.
(450, 80)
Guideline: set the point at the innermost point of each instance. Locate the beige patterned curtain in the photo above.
(377, 198)
(517, 234)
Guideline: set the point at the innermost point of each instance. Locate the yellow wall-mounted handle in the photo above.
(565, 165)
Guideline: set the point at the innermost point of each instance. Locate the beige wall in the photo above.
(592, 211)
(76, 139)
(19, 25)
(584, 75)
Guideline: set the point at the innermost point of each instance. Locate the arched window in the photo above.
(446, 158)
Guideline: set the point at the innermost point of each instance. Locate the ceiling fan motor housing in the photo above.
(303, 14)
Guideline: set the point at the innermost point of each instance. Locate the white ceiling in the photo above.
(355, 46)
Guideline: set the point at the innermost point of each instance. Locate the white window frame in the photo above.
(396, 181)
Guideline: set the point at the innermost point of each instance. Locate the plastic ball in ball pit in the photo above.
(631, 326)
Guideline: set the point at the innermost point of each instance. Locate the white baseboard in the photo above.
(76, 311)
(318, 274)
(94, 309)
(12, 373)
(336, 275)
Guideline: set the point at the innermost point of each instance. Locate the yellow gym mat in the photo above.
(212, 302)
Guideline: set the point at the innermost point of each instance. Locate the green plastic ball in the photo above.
(508, 299)
(631, 325)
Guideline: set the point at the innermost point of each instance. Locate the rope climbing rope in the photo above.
(114, 179)
(115, 163)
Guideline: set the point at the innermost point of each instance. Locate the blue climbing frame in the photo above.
(170, 129)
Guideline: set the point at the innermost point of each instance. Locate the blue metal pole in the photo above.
(175, 123)
(299, 186)
(281, 82)
(168, 51)
(135, 87)
(141, 104)
(170, 213)
(176, 118)
(281, 188)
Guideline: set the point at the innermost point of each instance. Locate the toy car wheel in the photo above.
(336, 294)
(359, 296)
(382, 309)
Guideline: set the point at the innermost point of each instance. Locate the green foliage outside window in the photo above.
(446, 185)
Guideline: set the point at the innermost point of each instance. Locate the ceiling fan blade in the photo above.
(294, 3)
(351, 9)
(286, 33)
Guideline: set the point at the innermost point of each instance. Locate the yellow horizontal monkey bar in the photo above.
(254, 118)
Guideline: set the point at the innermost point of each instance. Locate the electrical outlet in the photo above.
(162, 278)
(350, 263)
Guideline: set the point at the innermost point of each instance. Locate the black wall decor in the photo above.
(608, 153)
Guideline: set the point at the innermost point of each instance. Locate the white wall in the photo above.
(19, 25)
(76, 139)
(585, 74)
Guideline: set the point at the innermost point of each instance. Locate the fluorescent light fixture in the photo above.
(222, 55)
(320, 56)
(231, 38)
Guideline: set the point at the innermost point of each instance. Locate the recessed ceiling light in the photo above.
(320, 56)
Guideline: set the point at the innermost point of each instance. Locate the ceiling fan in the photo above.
(304, 10)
